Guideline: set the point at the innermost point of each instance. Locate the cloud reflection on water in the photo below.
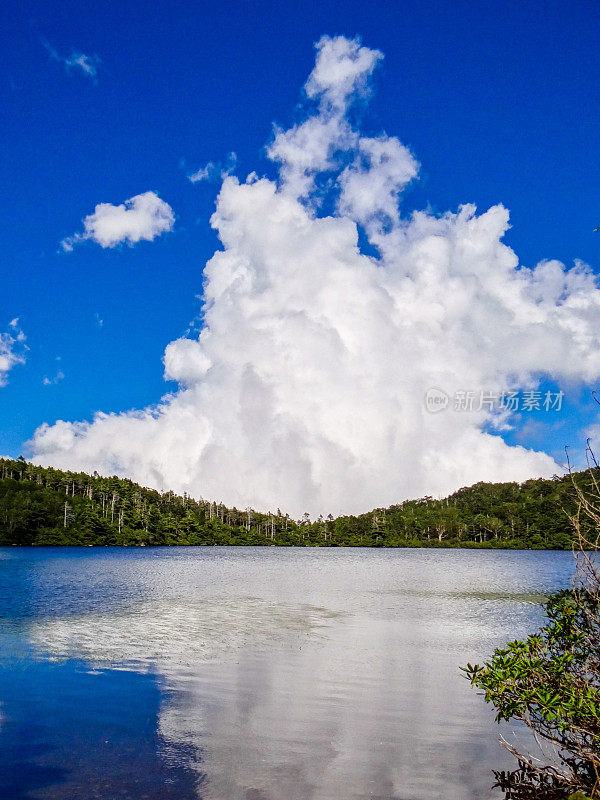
(298, 702)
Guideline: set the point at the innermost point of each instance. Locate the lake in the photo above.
(256, 673)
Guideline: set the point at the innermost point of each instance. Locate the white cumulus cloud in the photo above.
(305, 388)
(143, 217)
(12, 349)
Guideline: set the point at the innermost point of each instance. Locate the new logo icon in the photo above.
(436, 400)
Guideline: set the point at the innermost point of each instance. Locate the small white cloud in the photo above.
(341, 72)
(77, 60)
(214, 170)
(87, 64)
(12, 350)
(144, 216)
(53, 381)
(98, 320)
(202, 174)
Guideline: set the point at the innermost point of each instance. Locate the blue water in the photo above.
(256, 673)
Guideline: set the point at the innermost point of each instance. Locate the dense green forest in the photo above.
(44, 506)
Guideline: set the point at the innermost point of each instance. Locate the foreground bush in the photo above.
(551, 682)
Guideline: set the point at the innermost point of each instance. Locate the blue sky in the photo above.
(498, 102)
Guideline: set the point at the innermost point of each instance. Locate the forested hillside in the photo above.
(44, 506)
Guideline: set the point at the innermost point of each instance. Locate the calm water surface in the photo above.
(256, 673)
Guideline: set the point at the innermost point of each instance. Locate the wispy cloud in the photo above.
(53, 381)
(214, 170)
(143, 217)
(87, 65)
(12, 349)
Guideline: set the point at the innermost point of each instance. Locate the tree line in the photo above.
(46, 506)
